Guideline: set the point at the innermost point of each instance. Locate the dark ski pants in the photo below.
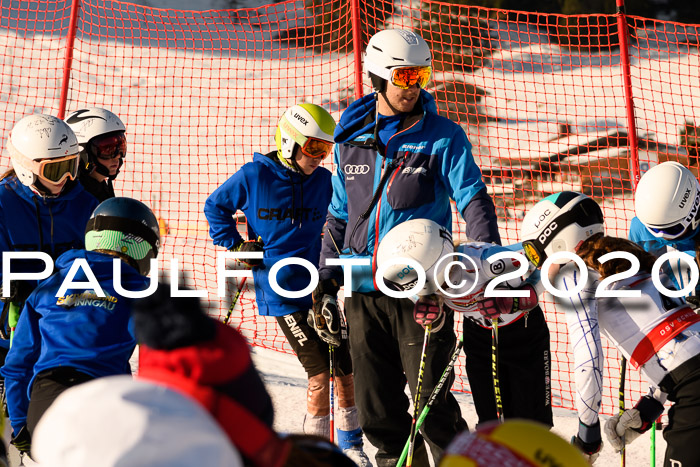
(386, 346)
(310, 349)
(524, 367)
(47, 386)
(683, 429)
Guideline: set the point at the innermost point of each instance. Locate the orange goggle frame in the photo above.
(407, 77)
(317, 148)
(58, 169)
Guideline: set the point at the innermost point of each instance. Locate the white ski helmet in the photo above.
(43, 148)
(560, 222)
(667, 200)
(308, 125)
(422, 240)
(100, 133)
(394, 48)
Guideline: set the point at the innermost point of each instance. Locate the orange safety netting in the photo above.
(541, 98)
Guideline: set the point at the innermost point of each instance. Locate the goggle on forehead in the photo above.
(108, 146)
(407, 77)
(58, 169)
(584, 214)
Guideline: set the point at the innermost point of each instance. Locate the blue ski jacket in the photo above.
(427, 162)
(287, 210)
(677, 270)
(29, 222)
(79, 329)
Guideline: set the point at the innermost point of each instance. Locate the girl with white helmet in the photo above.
(285, 195)
(667, 205)
(658, 334)
(42, 207)
(102, 140)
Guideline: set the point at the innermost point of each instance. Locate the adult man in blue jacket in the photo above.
(396, 160)
(65, 340)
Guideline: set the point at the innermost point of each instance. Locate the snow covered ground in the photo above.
(285, 380)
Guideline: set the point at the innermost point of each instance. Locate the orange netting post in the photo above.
(627, 81)
(68, 60)
(357, 45)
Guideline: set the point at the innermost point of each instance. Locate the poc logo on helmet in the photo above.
(404, 272)
(542, 217)
(547, 232)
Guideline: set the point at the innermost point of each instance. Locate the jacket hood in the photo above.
(116, 421)
(352, 122)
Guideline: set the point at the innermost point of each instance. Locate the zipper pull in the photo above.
(527, 313)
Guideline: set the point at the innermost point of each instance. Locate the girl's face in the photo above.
(306, 164)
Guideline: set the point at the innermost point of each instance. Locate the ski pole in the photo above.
(652, 446)
(623, 376)
(494, 370)
(331, 354)
(234, 301)
(433, 396)
(416, 402)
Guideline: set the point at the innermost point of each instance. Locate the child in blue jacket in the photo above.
(64, 339)
(285, 196)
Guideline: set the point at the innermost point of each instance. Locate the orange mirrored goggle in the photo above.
(317, 148)
(407, 77)
(58, 169)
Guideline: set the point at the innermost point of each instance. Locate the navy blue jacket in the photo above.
(287, 210)
(79, 329)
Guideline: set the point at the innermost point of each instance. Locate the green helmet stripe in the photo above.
(113, 240)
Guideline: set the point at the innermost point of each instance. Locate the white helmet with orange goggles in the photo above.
(398, 56)
(307, 125)
(101, 135)
(43, 148)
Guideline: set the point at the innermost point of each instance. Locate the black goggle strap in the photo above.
(122, 224)
(585, 213)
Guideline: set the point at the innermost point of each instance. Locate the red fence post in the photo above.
(68, 59)
(629, 102)
(357, 45)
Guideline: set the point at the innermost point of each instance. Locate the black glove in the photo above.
(12, 294)
(22, 440)
(249, 246)
(588, 441)
(429, 310)
(693, 301)
(325, 315)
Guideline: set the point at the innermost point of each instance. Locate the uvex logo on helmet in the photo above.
(300, 118)
(542, 217)
(547, 232)
(356, 169)
(686, 195)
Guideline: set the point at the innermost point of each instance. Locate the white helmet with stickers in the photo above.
(101, 134)
(667, 200)
(43, 149)
(308, 125)
(560, 222)
(394, 48)
(422, 240)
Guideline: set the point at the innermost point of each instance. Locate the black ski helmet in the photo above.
(126, 226)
